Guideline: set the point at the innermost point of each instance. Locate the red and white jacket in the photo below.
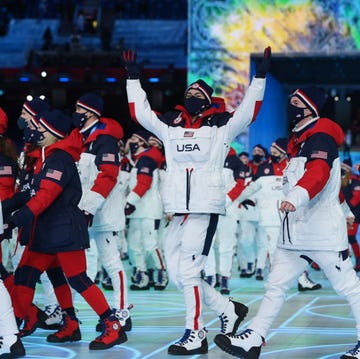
(99, 168)
(311, 182)
(195, 152)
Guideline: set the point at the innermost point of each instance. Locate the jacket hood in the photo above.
(71, 144)
(322, 125)
(217, 105)
(106, 126)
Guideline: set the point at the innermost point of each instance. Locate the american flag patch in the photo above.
(5, 170)
(108, 157)
(319, 154)
(54, 174)
(144, 170)
(188, 134)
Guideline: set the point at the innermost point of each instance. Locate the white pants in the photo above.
(267, 239)
(109, 256)
(7, 318)
(247, 242)
(287, 267)
(143, 243)
(220, 259)
(186, 247)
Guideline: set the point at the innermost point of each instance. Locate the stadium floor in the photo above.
(311, 325)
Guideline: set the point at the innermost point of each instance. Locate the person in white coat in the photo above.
(102, 200)
(196, 138)
(313, 223)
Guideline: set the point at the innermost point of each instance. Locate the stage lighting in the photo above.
(154, 79)
(63, 78)
(110, 79)
(24, 78)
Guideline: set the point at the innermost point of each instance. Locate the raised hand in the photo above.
(264, 66)
(131, 66)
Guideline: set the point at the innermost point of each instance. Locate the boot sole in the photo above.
(177, 350)
(304, 289)
(224, 344)
(55, 339)
(101, 346)
(159, 287)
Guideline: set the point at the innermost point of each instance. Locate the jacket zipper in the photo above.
(188, 183)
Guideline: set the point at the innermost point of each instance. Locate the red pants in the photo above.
(73, 265)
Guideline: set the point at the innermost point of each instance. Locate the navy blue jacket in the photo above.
(51, 220)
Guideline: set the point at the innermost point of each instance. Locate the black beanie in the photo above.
(280, 144)
(143, 135)
(36, 105)
(203, 87)
(313, 97)
(243, 153)
(55, 122)
(262, 148)
(91, 102)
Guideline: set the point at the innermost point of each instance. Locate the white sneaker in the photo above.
(246, 345)
(162, 279)
(233, 315)
(193, 342)
(141, 281)
(11, 347)
(55, 315)
(353, 353)
(305, 283)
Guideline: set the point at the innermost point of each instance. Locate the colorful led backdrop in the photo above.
(223, 34)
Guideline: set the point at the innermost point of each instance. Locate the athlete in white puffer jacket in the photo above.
(196, 139)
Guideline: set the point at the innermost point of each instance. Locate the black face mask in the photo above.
(295, 114)
(257, 158)
(21, 122)
(133, 146)
(275, 159)
(38, 136)
(79, 119)
(195, 105)
(29, 135)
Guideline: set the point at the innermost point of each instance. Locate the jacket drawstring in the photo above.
(286, 222)
(188, 178)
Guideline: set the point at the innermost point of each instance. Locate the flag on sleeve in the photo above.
(323, 155)
(144, 170)
(5, 170)
(54, 174)
(108, 157)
